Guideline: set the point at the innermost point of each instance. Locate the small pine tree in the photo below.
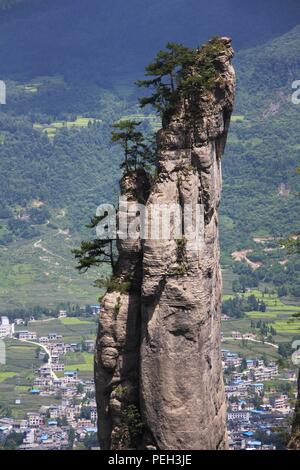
(132, 142)
(95, 252)
(166, 70)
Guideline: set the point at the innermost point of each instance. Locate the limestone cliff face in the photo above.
(158, 346)
(182, 393)
(118, 340)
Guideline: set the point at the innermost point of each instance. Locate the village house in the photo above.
(93, 415)
(257, 388)
(236, 335)
(6, 328)
(225, 317)
(70, 376)
(29, 436)
(241, 416)
(34, 420)
(58, 367)
(27, 335)
(259, 374)
(42, 381)
(280, 403)
(89, 345)
(45, 370)
(43, 340)
(249, 336)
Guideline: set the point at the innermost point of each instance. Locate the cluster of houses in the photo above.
(251, 408)
(49, 428)
(240, 336)
(47, 381)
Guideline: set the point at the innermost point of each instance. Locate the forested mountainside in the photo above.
(119, 41)
(261, 184)
(57, 163)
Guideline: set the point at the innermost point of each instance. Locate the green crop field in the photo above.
(73, 332)
(250, 349)
(237, 118)
(278, 314)
(50, 129)
(228, 277)
(74, 321)
(6, 375)
(288, 327)
(83, 362)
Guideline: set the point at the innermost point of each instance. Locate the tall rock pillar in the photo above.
(182, 395)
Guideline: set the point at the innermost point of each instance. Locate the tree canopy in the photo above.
(180, 71)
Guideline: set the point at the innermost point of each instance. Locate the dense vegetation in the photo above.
(284, 275)
(237, 306)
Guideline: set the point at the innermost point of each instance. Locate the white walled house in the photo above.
(6, 328)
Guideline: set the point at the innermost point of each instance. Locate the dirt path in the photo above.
(254, 341)
(39, 245)
(242, 256)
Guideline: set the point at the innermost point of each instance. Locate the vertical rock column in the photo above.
(118, 340)
(181, 385)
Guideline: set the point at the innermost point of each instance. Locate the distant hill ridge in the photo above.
(101, 40)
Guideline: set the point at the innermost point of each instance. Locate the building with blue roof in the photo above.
(261, 412)
(90, 430)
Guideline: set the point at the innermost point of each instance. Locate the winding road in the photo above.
(42, 346)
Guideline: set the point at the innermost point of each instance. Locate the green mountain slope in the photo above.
(260, 181)
(102, 40)
(57, 165)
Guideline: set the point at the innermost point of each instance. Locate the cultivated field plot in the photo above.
(74, 330)
(16, 377)
(250, 349)
(280, 314)
(51, 129)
